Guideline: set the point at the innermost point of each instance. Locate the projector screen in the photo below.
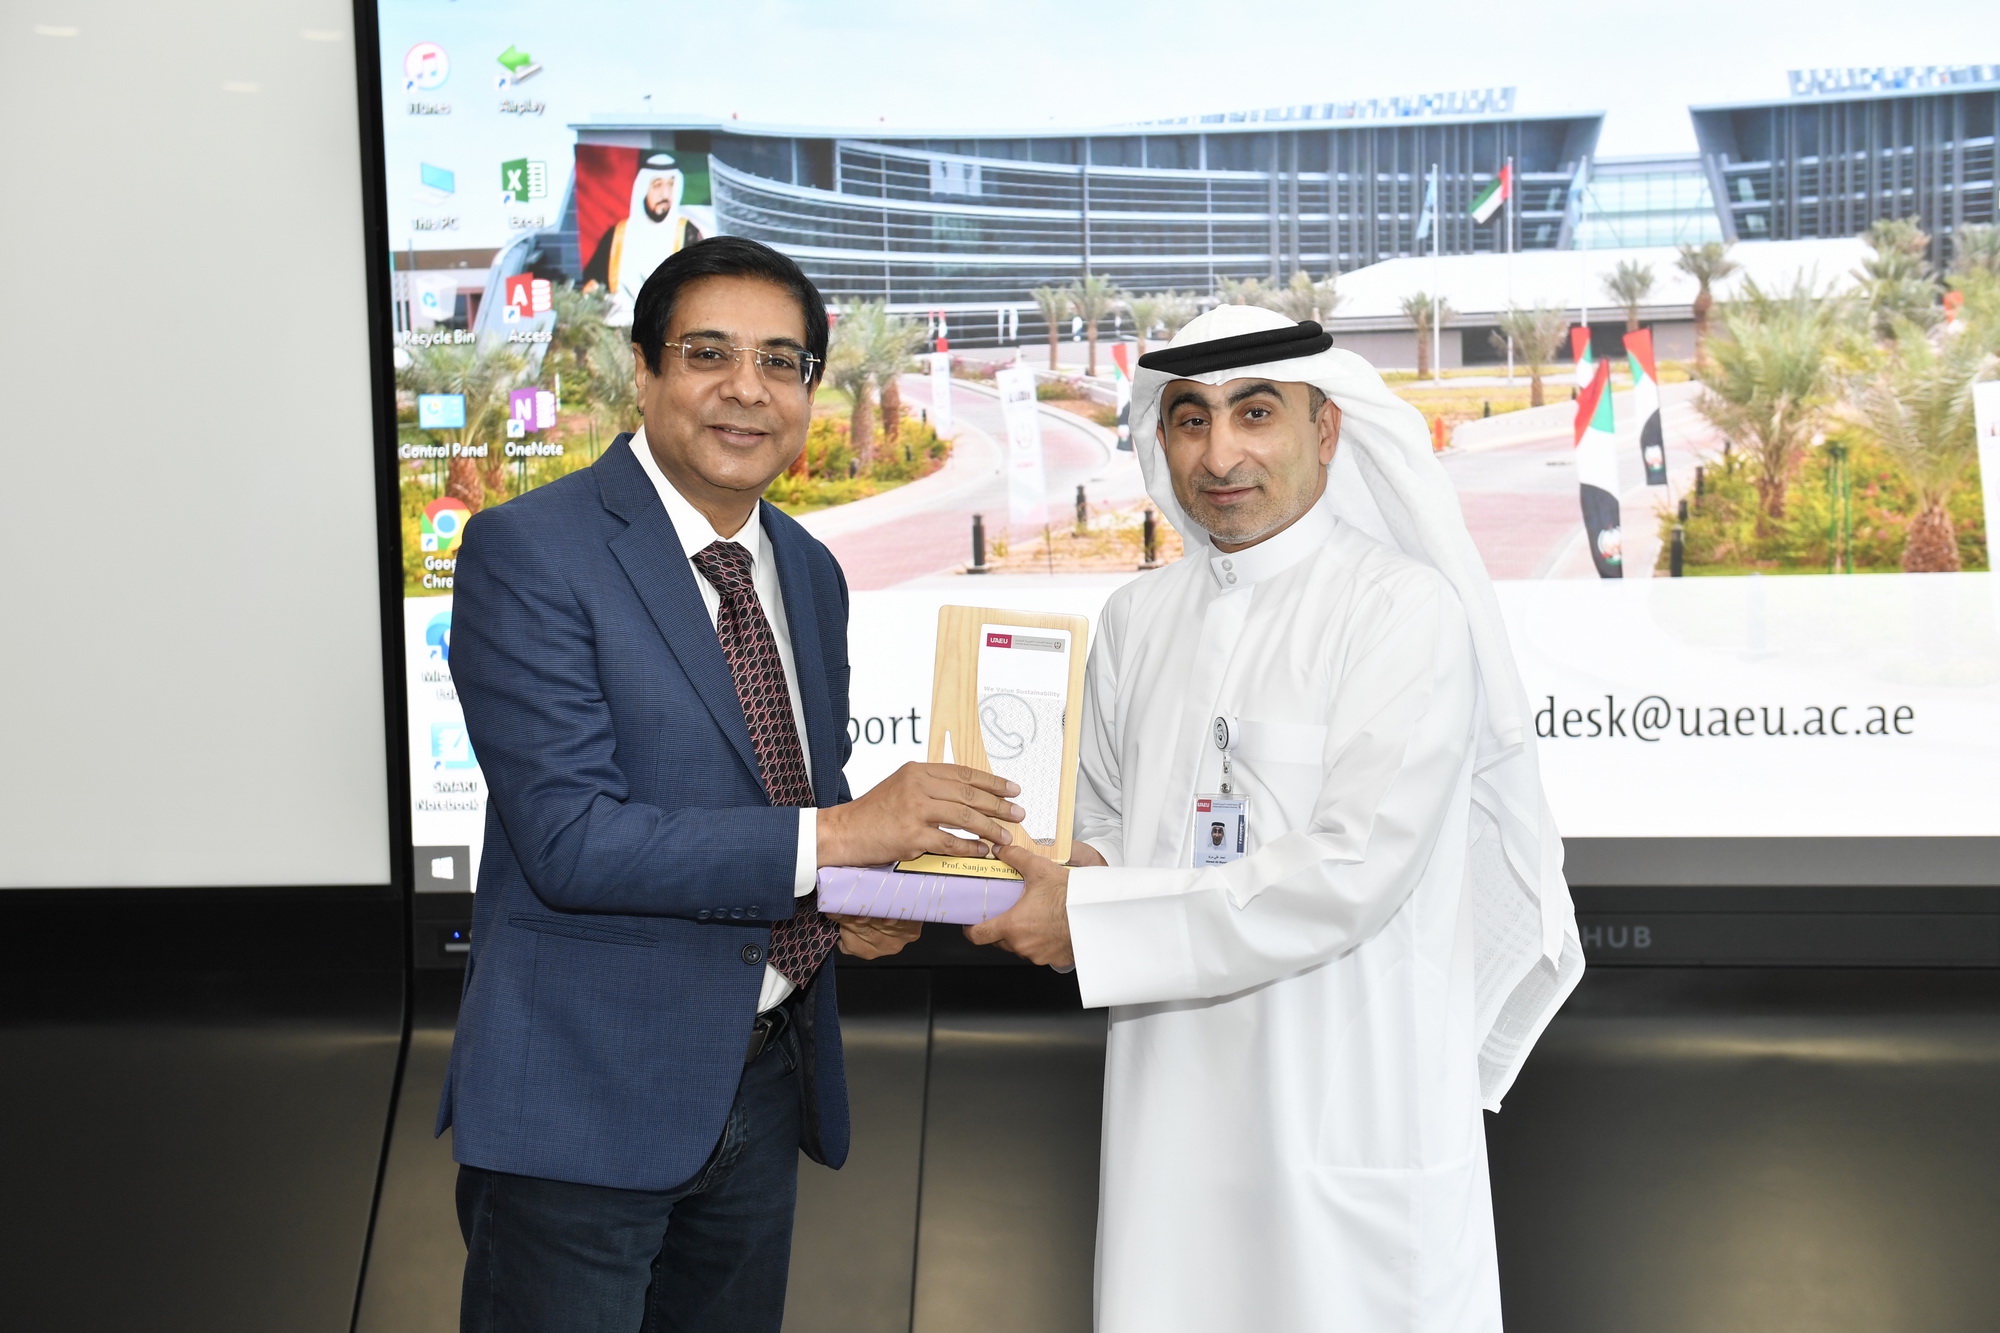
(1694, 325)
(191, 662)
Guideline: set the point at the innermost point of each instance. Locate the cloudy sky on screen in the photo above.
(1035, 63)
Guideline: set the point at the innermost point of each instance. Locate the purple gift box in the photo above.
(883, 891)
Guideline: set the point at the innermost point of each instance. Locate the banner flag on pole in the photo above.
(941, 419)
(1027, 488)
(1122, 356)
(1646, 404)
(1428, 217)
(1489, 200)
(1597, 474)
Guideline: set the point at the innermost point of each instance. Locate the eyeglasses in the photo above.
(710, 356)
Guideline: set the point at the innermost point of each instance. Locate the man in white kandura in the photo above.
(1307, 1013)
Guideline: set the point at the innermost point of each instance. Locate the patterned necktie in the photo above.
(801, 944)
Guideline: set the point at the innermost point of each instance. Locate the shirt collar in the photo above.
(690, 524)
(1274, 555)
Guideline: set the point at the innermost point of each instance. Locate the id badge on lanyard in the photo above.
(1221, 819)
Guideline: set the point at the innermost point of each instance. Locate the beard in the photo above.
(1247, 520)
(657, 214)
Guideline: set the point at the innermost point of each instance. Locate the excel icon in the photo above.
(522, 181)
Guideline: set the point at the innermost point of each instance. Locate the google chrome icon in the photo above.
(443, 526)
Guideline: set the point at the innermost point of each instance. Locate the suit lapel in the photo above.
(651, 554)
(802, 621)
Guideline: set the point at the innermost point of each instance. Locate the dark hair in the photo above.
(723, 257)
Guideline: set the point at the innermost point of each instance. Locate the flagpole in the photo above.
(1437, 228)
(1507, 221)
(1583, 249)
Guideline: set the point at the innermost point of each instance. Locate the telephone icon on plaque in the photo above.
(1006, 698)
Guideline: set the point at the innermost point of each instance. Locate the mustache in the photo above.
(1237, 477)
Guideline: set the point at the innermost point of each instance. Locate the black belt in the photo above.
(767, 1028)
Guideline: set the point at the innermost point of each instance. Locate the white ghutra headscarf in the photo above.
(1385, 481)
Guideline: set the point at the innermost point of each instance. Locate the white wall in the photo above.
(190, 657)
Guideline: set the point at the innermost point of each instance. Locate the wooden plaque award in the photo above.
(1007, 698)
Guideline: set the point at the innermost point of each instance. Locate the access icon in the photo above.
(520, 67)
(527, 296)
(442, 527)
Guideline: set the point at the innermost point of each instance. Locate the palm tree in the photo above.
(1417, 308)
(484, 374)
(1708, 264)
(612, 389)
(1243, 291)
(1629, 285)
(896, 341)
(1537, 334)
(850, 368)
(1898, 277)
(1915, 403)
(1303, 299)
(1772, 376)
(1093, 297)
(1975, 248)
(1177, 310)
(1054, 305)
(1147, 314)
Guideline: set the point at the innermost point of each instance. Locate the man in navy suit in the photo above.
(653, 667)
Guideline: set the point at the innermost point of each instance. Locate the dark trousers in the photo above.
(709, 1256)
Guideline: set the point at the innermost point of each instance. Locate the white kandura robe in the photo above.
(1292, 1126)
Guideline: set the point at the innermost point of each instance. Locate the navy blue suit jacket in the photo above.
(632, 864)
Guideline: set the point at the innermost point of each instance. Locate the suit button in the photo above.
(702, 915)
(753, 954)
(735, 914)
(755, 911)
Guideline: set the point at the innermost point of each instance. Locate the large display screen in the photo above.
(1699, 312)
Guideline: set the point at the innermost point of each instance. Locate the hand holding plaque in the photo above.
(1006, 714)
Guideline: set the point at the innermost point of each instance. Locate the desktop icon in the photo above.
(436, 184)
(440, 411)
(442, 527)
(437, 638)
(528, 296)
(520, 66)
(450, 746)
(425, 66)
(530, 410)
(523, 181)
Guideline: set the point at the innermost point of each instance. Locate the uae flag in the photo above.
(1597, 466)
(1499, 192)
(1646, 402)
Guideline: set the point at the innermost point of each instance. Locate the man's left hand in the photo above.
(1037, 927)
(874, 936)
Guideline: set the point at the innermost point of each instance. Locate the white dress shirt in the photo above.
(695, 533)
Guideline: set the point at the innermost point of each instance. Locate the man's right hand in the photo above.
(906, 816)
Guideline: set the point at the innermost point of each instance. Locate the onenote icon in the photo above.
(529, 410)
(441, 411)
(442, 526)
(425, 66)
(437, 638)
(450, 746)
(528, 295)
